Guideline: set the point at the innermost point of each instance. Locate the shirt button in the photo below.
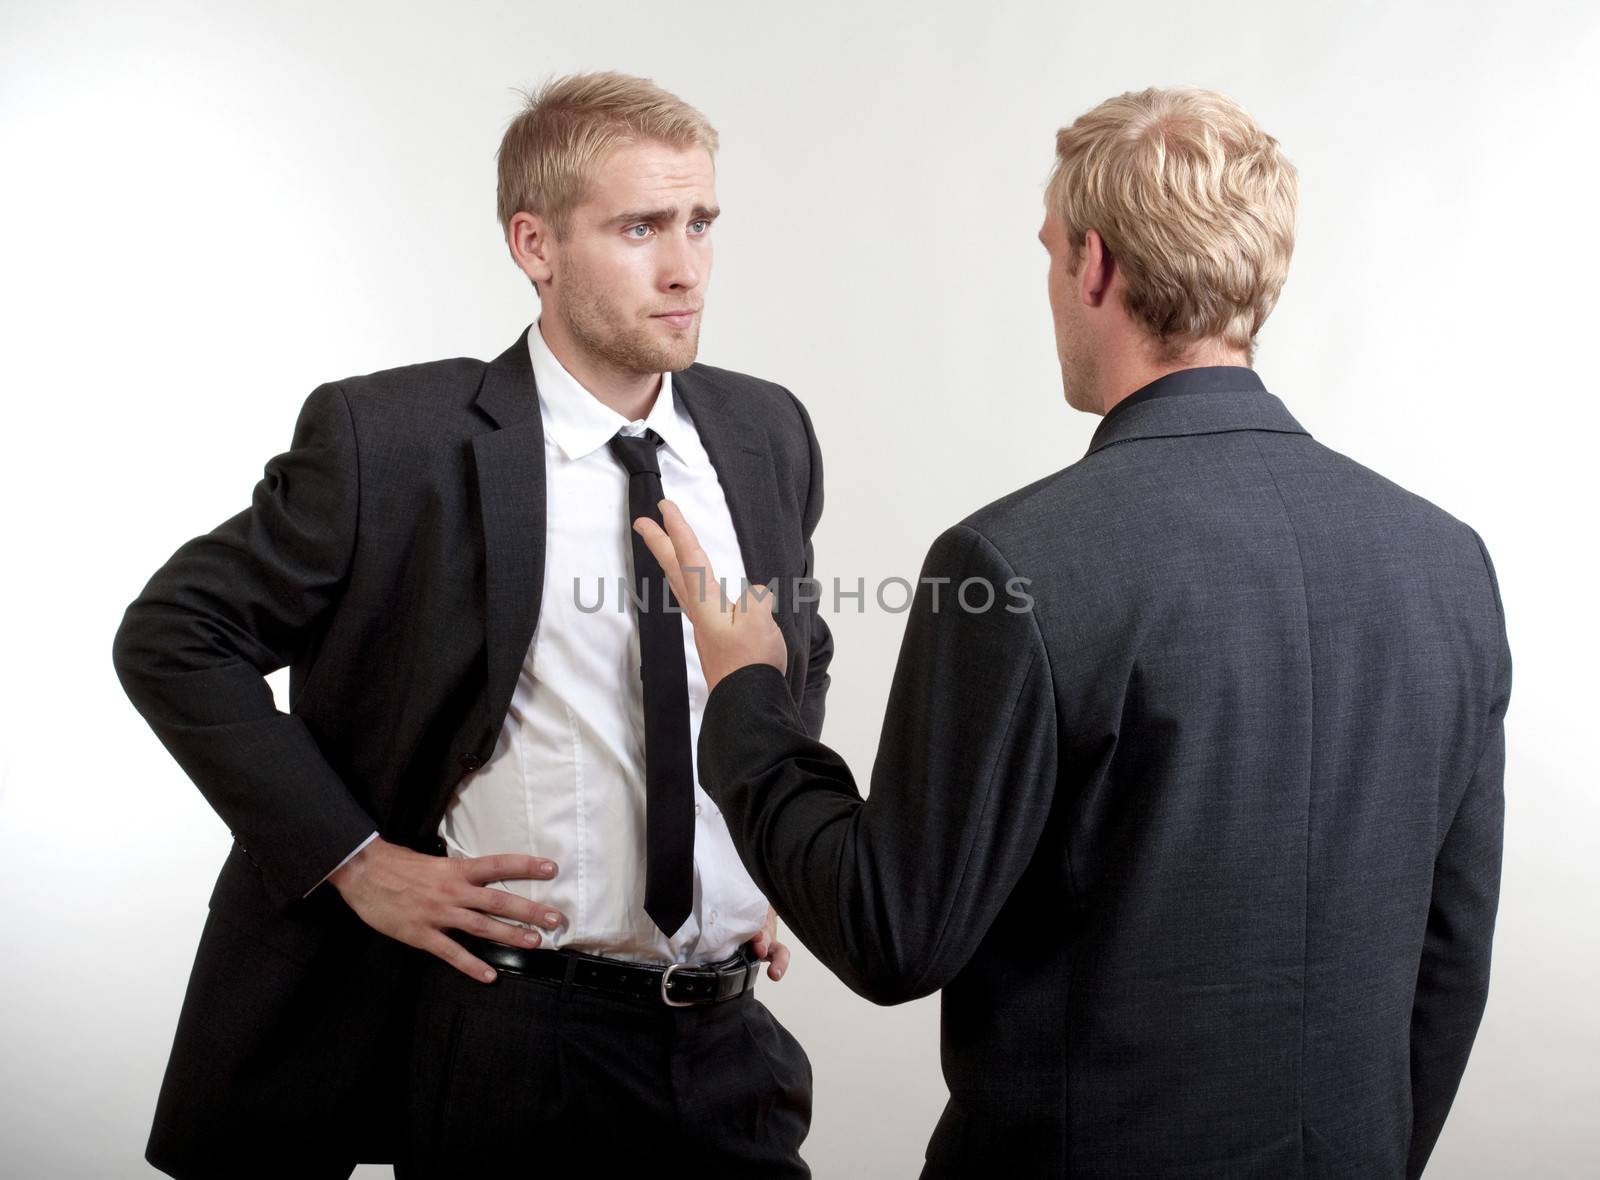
(697, 809)
(470, 762)
(713, 915)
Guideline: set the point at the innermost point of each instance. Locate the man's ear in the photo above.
(532, 246)
(1094, 281)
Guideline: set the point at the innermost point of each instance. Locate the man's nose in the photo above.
(680, 269)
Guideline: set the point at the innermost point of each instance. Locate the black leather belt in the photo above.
(675, 985)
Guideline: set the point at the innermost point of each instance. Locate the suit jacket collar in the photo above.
(1210, 406)
(506, 395)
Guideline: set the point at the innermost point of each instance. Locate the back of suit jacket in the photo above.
(1204, 847)
(393, 559)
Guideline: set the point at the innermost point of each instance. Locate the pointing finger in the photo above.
(687, 546)
(687, 567)
(661, 548)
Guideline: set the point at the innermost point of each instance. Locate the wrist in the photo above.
(356, 867)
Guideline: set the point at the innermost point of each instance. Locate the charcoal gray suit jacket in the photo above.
(393, 558)
(1203, 849)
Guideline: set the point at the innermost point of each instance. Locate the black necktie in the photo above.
(668, 766)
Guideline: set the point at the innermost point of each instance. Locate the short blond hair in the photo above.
(1194, 202)
(550, 150)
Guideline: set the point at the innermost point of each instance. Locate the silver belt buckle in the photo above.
(666, 999)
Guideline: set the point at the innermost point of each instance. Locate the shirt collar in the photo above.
(581, 423)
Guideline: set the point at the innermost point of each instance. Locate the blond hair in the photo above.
(1194, 202)
(551, 148)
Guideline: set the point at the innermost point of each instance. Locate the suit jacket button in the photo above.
(470, 762)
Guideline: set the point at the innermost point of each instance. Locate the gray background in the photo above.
(298, 192)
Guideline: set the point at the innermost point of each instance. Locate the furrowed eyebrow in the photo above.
(651, 215)
(656, 216)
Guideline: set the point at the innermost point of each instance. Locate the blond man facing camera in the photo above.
(478, 914)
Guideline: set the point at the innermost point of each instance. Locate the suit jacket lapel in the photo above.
(742, 456)
(511, 501)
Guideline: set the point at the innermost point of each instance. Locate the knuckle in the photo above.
(483, 926)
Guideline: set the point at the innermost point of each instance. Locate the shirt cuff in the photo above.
(341, 864)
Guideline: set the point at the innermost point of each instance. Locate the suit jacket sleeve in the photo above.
(1453, 979)
(230, 606)
(813, 699)
(894, 893)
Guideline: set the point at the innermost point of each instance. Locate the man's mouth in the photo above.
(678, 319)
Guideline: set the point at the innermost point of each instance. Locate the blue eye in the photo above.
(704, 224)
(642, 226)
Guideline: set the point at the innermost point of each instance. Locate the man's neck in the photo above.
(1127, 374)
(632, 395)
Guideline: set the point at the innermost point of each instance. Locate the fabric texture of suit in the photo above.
(393, 559)
(1204, 848)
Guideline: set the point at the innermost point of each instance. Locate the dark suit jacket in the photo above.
(1204, 848)
(393, 559)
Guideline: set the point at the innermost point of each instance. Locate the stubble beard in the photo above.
(604, 331)
(1080, 374)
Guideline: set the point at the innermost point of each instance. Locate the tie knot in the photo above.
(637, 452)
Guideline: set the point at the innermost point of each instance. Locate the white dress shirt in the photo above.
(566, 779)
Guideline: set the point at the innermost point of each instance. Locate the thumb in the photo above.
(756, 600)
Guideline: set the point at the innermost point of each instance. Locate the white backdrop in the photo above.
(207, 210)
